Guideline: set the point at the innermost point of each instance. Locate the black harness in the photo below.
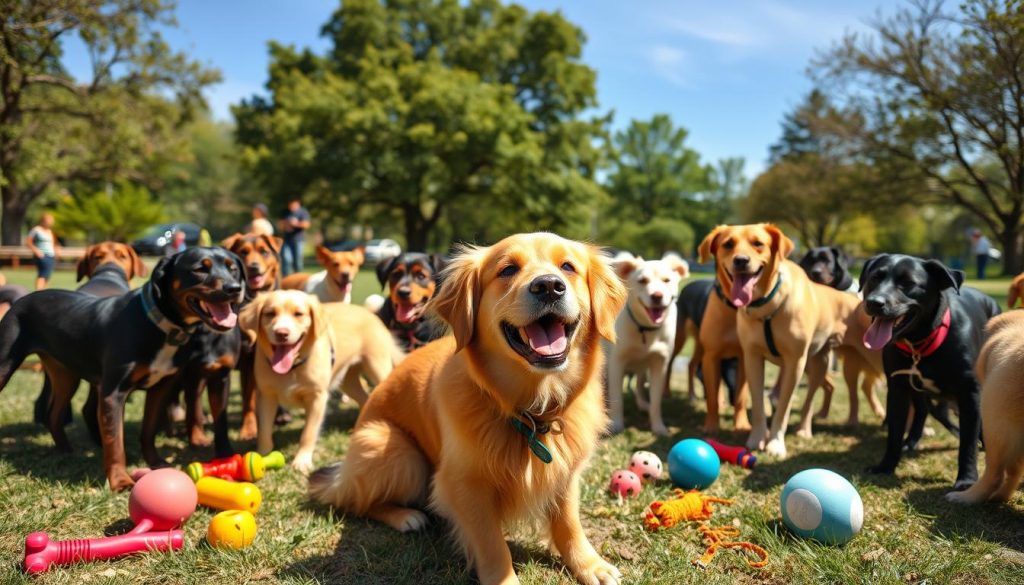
(769, 338)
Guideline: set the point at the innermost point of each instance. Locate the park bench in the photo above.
(13, 256)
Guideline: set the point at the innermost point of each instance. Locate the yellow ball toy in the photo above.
(232, 529)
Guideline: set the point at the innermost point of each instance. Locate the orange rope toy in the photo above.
(691, 506)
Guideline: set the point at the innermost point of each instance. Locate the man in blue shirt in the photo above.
(294, 224)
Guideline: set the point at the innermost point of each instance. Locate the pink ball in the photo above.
(166, 497)
(625, 483)
(646, 464)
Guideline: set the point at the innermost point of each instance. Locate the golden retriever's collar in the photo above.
(529, 426)
(175, 335)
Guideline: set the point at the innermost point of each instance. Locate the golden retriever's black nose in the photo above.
(548, 288)
(741, 261)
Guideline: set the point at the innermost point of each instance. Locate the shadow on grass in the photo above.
(1002, 524)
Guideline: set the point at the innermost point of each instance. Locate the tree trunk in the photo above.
(14, 211)
(416, 229)
(1010, 240)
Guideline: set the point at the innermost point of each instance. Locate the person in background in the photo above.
(43, 244)
(260, 225)
(980, 247)
(8, 294)
(177, 243)
(294, 224)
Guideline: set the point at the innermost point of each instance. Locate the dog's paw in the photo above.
(805, 433)
(600, 572)
(963, 484)
(757, 439)
(776, 448)
(660, 429)
(409, 520)
(964, 497)
(303, 463)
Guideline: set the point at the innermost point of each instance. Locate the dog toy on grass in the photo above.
(733, 454)
(249, 467)
(221, 494)
(625, 484)
(693, 464)
(231, 529)
(646, 464)
(692, 506)
(822, 505)
(159, 504)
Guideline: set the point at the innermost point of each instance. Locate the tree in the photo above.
(942, 97)
(118, 214)
(55, 129)
(425, 106)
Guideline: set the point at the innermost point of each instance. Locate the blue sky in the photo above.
(726, 70)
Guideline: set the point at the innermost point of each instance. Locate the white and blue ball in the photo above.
(822, 505)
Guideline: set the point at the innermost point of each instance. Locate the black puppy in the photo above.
(125, 342)
(412, 280)
(930, 330)
(829, 266)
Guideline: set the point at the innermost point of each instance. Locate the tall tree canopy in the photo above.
(54, 128)
(942, 97)
(424, 106)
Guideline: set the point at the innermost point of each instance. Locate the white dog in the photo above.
(645, 331)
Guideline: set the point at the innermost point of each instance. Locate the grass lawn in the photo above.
(910, 534)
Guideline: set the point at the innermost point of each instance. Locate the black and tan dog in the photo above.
(110, 267)
(412, 279)
(929, 329)
(124, 342)
(261, 256)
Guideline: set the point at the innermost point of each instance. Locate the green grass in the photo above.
(910, 535)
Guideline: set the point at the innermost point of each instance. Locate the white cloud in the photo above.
(668, 62)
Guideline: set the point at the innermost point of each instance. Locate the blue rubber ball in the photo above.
(821, 504)
(693, 464)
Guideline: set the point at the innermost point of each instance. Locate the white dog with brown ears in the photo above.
(646, 331)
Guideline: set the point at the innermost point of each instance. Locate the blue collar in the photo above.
(175, 335)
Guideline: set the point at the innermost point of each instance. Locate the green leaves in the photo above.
(120, 213)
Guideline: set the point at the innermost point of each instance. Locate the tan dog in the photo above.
(463, 423)
(775, 297)
(1016, 291)
(305, 349)
(117, 253)
(333, 284)
(1000, 370)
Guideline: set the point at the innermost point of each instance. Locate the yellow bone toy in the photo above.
(691, 506)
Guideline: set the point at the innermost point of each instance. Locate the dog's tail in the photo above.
(325, 484)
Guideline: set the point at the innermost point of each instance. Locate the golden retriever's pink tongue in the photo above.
(547, 340)
(222, 314)
(406, 313)
(742, 289)
(284, 357)
(878, 334)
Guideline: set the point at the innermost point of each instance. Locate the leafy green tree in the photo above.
(119, 214)
(55, 129)
(941, 95)
(422, 107)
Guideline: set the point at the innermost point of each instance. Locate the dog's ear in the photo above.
(84, 265)
(840, 259)
(360, 254)
(162, 274)
(138, 268)
(781, 246)
(230, 241)
(323, 255)
(623, 263)
(677, 264)
(865, 272)
(1014, 293)
(607, 294)
(457, 300)
(384, 268)
(249, 317)
(709, 247)
(438, 262)
(945, 277)
(241, 271)
(275, 244)
(317, 321)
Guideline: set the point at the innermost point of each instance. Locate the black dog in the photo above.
(412, 280)
(930, 330)
(124, 342)
(829, 266)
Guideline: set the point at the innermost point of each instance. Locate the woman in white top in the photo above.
(44, 247)
(260, 224)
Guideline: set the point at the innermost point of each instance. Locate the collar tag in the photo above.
(536, 446)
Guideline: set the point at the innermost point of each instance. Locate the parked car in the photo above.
(375, 250)
(155, 240)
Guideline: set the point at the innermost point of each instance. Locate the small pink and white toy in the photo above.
(625, 484)
(646, 464)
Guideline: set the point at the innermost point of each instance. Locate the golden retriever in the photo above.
(494, 424)
(305, 349)
(1000, 370)
(806, 320)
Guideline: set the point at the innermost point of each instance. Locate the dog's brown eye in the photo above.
(568, 267)
(508, 271)
(298, 313)
(664, 279)
(643, 280)
(758, 244)
(729, 245)
(264, 253)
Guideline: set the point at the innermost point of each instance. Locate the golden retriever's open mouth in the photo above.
(220, 316)
(543, 343)
(742, 291)
(285, 354)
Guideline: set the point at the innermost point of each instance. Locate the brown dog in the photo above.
(109, 252)
(304, 350)
(495, 424)
(782, 317)
(1016, 291)
(1000, 370)
(333, 284)
(261, 256)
